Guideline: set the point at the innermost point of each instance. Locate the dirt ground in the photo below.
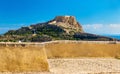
(85, 66)
(81, 66)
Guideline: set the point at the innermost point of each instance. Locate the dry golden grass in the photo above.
(32, 57)
(77, 49)
(22, 58)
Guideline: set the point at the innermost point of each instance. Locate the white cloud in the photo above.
(102, 28)
(90, 28)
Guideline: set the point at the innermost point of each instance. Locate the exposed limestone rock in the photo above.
(69, 23)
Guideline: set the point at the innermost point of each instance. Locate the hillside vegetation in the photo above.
(60, 28)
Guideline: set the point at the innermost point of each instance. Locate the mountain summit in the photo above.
(69, 23)
(59, 28)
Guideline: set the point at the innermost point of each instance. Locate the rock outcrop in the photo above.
(69, 23)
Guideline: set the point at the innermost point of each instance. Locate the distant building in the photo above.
(20, 41)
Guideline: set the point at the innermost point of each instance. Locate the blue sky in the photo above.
(96, 16)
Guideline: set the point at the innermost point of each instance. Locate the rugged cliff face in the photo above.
(69, 23)
(60, 28)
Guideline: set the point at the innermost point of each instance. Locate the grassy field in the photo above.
(20, 58)
(79, 49)
(32, 57)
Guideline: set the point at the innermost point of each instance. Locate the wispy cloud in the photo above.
(102, 28)
(5, 27)
(90, 28)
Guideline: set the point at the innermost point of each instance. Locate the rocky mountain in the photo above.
(60, 28)
(68, 23)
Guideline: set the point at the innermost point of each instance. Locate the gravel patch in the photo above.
(80, 66)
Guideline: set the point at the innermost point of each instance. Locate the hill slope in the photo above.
(60, 28)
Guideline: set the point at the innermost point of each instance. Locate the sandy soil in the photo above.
(81, 66)
(85, 66)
